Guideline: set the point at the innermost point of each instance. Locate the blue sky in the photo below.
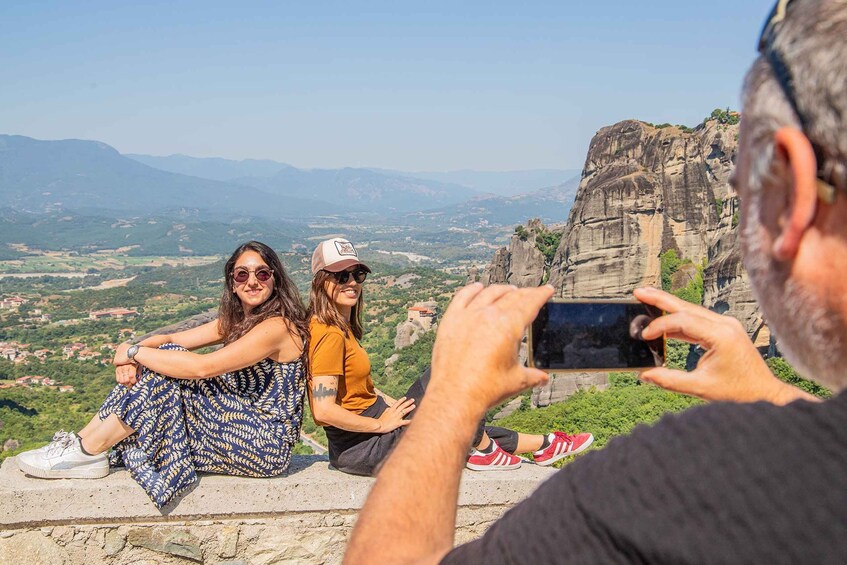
(413, 86)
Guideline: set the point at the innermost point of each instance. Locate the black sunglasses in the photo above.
(263, 275)
(772, 54)
(359, 275)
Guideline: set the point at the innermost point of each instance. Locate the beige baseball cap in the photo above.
(335, 255)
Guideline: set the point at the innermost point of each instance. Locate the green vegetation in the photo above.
(605, 414)
(724, 117)
(670, 264)
(786, 372)
(735, 219)
(548, 242)
(719, 206)
(521, 232)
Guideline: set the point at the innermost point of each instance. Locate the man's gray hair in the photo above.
(812, 41)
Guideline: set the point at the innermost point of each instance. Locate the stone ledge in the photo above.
(309, 486)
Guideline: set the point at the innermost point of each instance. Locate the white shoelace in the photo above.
(62, 440)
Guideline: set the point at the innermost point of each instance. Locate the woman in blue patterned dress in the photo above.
(236, 410)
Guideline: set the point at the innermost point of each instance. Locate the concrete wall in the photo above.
(302, 517)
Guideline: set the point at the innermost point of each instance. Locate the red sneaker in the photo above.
(497, 460)
(562, 445)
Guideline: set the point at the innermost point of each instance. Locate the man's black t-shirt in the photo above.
(722, 483)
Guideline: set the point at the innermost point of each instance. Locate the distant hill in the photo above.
(92, 178)
(362, 189)
(550, 204)
(139, 235)
(212, 168)
(501, 183)
(43, 176)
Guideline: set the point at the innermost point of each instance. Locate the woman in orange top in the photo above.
(361, 426)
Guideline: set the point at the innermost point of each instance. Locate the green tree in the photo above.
(785, 372)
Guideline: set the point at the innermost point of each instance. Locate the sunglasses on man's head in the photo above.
(359, 275)
(263, 275)
(768, 49)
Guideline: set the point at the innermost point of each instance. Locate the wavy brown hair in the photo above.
(284, 300)
(322, 306)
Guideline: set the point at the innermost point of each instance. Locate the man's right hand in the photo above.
(731, 368)
(476, 348)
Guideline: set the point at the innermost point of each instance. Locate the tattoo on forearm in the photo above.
(320, 392)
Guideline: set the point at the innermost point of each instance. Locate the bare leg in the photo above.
(528, 443)
(109, 432)
(90, 426)
(483, 443)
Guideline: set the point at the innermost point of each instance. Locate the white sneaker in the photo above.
(63, 459)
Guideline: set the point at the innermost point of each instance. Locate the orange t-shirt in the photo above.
(332, 354)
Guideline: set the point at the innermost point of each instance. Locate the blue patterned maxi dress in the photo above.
(240, 423)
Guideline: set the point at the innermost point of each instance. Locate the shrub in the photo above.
(719, 206)
(521, 232)
(786, 372)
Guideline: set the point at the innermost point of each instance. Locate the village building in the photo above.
(117, 313)
(70, 350)
(126, 333)
(12, 303)
(41, 354)
(10, 353)
(423, 313)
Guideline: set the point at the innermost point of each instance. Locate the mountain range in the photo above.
(44, 176)
(39, 176)
(500, 183)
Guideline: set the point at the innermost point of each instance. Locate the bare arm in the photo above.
(328, 412)
(474, 365)
(194, 338)
(267, 339)
(730, 370)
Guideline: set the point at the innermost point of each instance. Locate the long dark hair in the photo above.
(284, 300)
(322, 307)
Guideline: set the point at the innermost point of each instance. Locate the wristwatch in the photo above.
(132, 351)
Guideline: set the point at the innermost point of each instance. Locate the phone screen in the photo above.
(598, 335)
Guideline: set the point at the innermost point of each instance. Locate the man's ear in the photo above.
(792, 145)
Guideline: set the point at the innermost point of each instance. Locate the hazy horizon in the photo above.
(482, 86)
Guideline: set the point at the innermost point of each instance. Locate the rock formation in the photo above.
(407, 333)
(644, 190)
(561, 386)
(521, 263)
(187, 324)
(421, 318)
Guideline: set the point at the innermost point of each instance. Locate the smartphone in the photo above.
(597, 335)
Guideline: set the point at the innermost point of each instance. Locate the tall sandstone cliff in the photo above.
(646, 190)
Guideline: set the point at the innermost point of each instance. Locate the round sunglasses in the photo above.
(359, 275)
(263, 275)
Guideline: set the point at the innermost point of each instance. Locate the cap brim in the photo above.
(345, 264)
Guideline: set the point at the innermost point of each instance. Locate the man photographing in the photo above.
(751, 482)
